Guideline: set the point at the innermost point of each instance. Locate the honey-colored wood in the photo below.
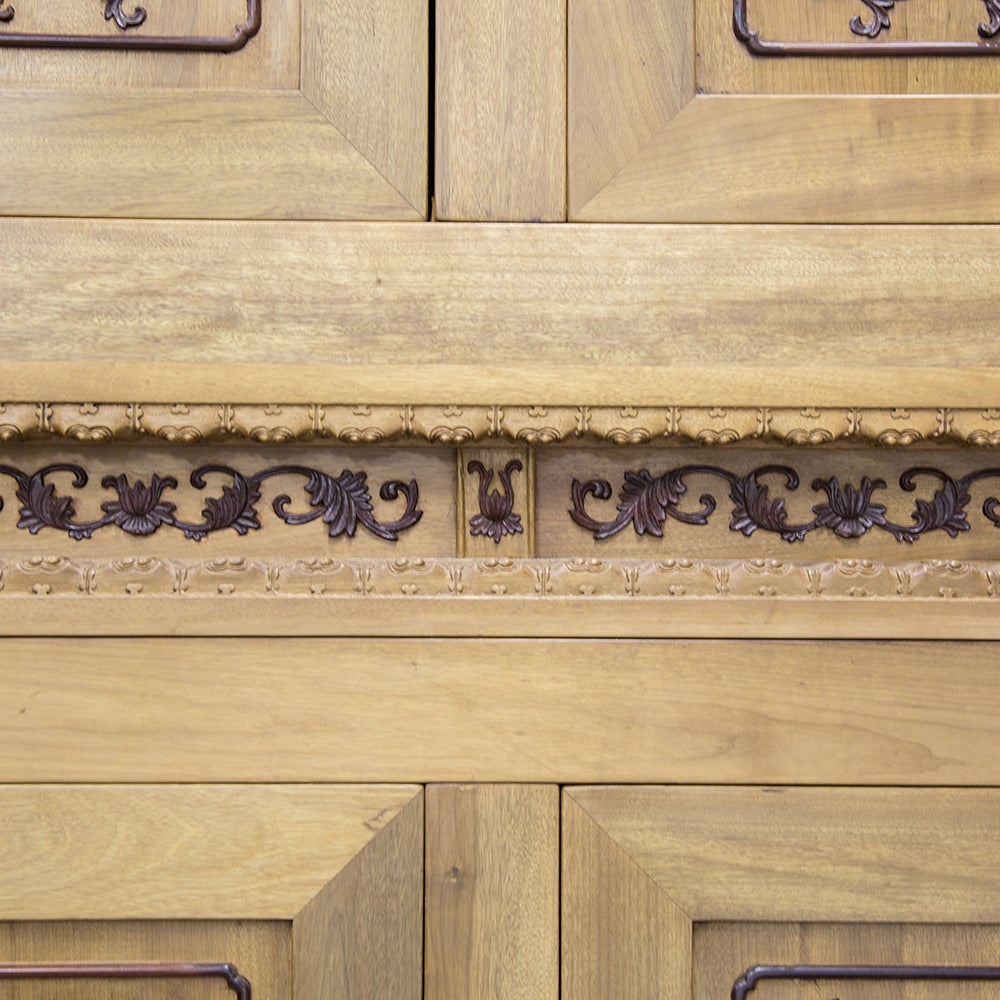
(259, 950)
(650, 140)
(750, 854)
(514, 315)
(500, 143)
(362, 935)
(351, 143)
(905, 713)
(722, 951)
(492, 896)
(516, 531)
(191, 852)
(622, 935)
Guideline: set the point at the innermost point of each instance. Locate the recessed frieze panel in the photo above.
(160, 25)
(868, 27)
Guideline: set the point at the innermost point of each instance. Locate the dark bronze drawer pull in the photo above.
(138, 970)
(745, 983)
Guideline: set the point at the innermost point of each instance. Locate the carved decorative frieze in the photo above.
(501, 578)
(115, 12)
(455, 425)
(645, 503)
(876, 23)
(343, 502)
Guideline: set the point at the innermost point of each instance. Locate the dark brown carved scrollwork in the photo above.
(868, 30)
(495, 518)
(990, 29)
(240, 985)
(343, 503)
(114, 10)
(880, 18)
(849, 511)
(958, 973)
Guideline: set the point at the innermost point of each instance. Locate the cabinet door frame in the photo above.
(343, 864)
(642, 865)
(350, 142)
(644, 145)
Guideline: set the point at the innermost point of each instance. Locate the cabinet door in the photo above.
(783, 111)
(309, 891)
(226, 109)
(676, 892)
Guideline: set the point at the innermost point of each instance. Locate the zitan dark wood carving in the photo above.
(343, 503)
(114, 10)
(869, 30)
(495, 518)
(849, 511)
(749, 980)
(240, 985)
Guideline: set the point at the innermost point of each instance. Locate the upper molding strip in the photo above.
(453, 425)
(868, 31)
(147, 43)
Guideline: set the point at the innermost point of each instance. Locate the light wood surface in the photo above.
(737, 138)
(723, 951)
(903, 713)
(180, 851)
(811, 854)
(500, 132)
(259, 950)
(361, 936)
(519, 315)
(492, 897)
(622, 935)
(248, 143)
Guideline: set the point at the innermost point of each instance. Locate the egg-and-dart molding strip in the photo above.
(461, 424)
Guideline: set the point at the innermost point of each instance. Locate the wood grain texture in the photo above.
(723, 951)
(180, 852)
(753, 316)
(906, 713)
(235, 148)
(733, 138)
(492, 894)
(500, 132)
(621, 934)
(361, 936)
(811, 854)
(259, 950)
(365, 65)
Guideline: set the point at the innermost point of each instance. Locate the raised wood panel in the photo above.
(906, 713)
(748, 138)
(776, 876)
(280, 133)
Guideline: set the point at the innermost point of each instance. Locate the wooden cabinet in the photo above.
(319, 113)
(585, 532)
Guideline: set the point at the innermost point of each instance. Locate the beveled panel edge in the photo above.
(454, 424)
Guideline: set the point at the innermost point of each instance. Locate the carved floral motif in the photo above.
(990, 29)
(880, 18)
(495, 518)
(6, 12)
(849, 511)
(343, 503)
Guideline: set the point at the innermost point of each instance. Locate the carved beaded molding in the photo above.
(450, 425)
(498, 579)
